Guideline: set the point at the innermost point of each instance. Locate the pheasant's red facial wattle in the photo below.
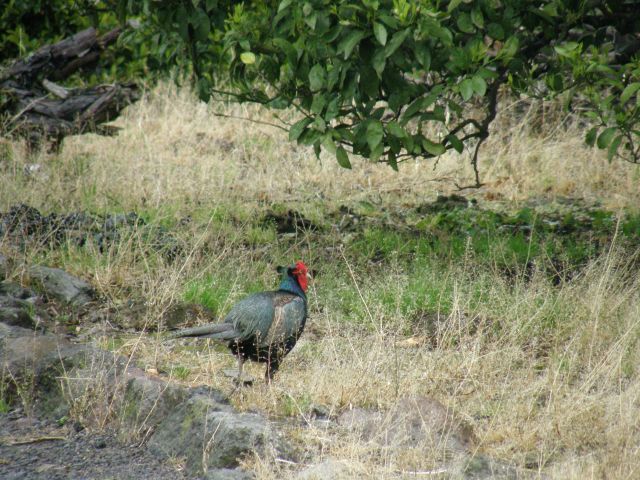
(301, 275)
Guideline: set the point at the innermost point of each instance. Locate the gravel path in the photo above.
(37, 449)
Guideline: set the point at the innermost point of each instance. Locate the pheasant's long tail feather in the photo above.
(220, 331)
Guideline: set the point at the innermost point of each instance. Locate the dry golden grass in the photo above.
(547, 376)
(174, 151)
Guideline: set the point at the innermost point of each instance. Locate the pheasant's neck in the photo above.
(291, 285)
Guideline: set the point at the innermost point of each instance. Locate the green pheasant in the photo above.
(265, 326)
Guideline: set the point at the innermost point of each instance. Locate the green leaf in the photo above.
(369, 83)
(423, 54)
(479, 85)
(495, 31)
(398, 99)
(328, 144)
(455, 142)
(555, 82)
(307, 9)
(396, 130)
(311, 20)
(411, 110)
(613, 148)
(297, 128)
(567, 49)
(392, 161)
(319, 102)
(284, 4)
(343, 158)
(319, 124)
(396, 41)
(288, 49)
(591, 136)
(201, 25)
(477, 18)
(333, 108)
(464, 23)
(379, 61)
(347, 44)
(248, 58)
(375, 133)
(183, 22)
(628, 92)
(376, 153)
(509, 49)
(317, 77)
(433, 148)
(466, 89)
(604, 139)
(380, 33)
(453, 4)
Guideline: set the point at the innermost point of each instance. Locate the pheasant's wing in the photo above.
(289, 314)
(252, 316)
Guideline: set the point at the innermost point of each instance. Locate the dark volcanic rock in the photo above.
(36, 363)
(204, 431)
(17, 312)
(24, 224)
(289, 222)
(148, 401)
(20, 306)
(61, 285)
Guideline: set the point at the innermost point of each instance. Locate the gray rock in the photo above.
(14, 290)
(15, 312)
(61, 285)
(206, 432)
(327, 469)
(8, 332)
(36, 364)
(228, 474)
(17, 306)
(147, 401)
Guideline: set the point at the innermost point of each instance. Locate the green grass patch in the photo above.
(219, 292)
(4, 406)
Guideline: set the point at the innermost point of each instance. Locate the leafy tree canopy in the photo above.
(394, 79)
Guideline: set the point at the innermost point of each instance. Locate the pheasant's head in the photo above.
(299, 272)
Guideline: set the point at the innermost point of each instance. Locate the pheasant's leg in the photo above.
(272, 368)
(240, 365)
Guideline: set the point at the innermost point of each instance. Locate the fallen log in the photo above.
(38, 109)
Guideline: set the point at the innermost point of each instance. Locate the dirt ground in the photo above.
(40, 449)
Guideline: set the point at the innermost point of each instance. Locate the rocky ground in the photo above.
(33, 449)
